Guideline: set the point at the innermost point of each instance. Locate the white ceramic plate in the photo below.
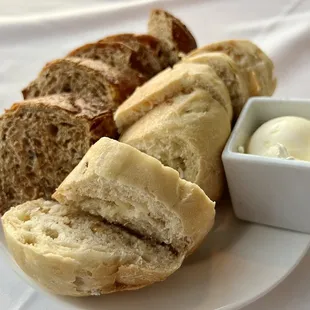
(239, 262)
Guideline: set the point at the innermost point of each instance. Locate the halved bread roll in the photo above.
(188, 133)
(69, 252)
(182, 78)
(130, 188)
(257, 66)
(229, 72)
(145, 221)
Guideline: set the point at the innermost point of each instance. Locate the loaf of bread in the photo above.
(175, 38)
(188, 133)
(252, 61)
(182, 78)
(42, 140)
(229, 72)
(144, 220)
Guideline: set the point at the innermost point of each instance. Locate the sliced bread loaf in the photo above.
(73, 253)
(187, 134)
(42, 140)
(129, 188)
(175, 38)
(229, 72)
(253, 62)
(182, 78)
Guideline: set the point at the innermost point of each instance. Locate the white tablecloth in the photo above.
(280, 27)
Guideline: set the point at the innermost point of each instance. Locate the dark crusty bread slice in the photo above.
(86, 78)
(176, 39)
(42, 140)
(139, 61)
(146, 45)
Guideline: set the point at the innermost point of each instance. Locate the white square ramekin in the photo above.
(264, 190)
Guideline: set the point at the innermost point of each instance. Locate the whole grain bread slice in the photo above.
(146, 45)
(42, 140)
(174, 36)
(139, 61)
(86, 78)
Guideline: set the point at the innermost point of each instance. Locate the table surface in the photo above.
(282, 27)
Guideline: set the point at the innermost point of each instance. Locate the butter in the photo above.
(286, 137)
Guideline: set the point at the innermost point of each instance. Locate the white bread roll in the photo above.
(129, 188)
(229, 72)
(182, 78)
(252, 61)
(187, 134)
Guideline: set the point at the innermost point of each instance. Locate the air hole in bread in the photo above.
(24, 217)
(53, 233)
(78, 282)
(37, 143)
(96, 57)
(66, 88)
(89, 273)
(29, 239)
(52, 129)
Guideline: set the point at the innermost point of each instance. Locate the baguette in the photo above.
(125, 222)
(42, 140)
(187, 134)
(182, 78)
(252, 61)
(230, 74)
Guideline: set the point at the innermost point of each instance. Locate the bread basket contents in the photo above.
(70, 105)
(123, 221)
(183, 115)
(286, 137)
(129, 212)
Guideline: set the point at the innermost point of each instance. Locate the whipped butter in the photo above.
(285, 137)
